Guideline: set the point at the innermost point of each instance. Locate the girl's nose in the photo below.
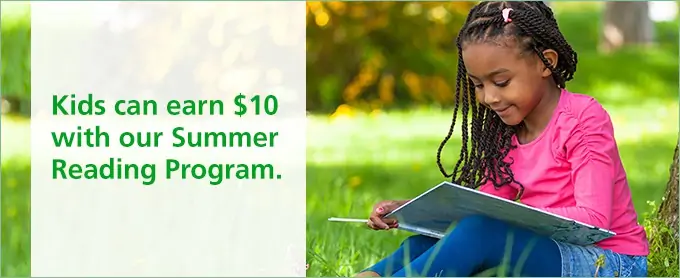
(491, 97)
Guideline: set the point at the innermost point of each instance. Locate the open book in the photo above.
(439, 208)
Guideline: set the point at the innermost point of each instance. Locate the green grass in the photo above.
(16, 219)
(354, 163)
(15, 180)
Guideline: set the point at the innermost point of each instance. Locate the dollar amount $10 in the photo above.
(268, 105)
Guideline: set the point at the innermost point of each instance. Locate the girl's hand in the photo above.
(376, 220)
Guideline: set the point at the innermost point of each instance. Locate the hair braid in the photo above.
(460, 83)
(483, 158)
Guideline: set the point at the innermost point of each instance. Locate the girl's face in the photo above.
(507, 81)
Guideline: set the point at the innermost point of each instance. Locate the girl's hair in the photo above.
(535, 29)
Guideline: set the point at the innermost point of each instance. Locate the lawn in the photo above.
(16, 192)
(354, 162)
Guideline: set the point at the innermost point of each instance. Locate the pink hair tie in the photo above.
(506, 15)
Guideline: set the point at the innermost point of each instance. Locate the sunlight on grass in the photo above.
(413, 137)
(14, 138)
(14, 9)
(634, 123)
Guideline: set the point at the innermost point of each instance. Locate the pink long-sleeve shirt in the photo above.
(573, 169)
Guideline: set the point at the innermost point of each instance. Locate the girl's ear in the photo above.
(551, 56)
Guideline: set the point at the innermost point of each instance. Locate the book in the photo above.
(435, 211)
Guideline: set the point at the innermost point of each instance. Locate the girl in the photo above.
(533, 140)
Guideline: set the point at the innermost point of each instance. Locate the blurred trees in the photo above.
(368, 54)
(626, 23)
(372, 54)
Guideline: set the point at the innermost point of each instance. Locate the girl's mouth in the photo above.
(503, 111)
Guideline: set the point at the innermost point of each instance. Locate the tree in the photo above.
(668, 210)
(626, 23)
(662, 228)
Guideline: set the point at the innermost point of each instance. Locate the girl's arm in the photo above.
(591, 151)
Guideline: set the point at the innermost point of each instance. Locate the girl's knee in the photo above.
(480, 223)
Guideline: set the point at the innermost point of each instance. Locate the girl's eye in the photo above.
(503, 83)
(478, 86)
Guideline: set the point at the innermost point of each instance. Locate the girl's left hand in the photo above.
(376, 220)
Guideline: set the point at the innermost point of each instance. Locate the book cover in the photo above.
(435, 211)
(439, 208)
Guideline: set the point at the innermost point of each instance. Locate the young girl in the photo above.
(530, 139)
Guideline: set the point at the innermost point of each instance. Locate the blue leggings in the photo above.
(476, 245)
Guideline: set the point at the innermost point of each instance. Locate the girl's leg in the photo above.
(409, 250)
(480, 243)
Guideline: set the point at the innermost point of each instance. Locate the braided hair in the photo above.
(535, 29)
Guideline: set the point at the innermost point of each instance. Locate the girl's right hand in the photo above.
(376, 220)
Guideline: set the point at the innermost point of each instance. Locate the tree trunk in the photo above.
(668, 210)
(626, 23)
